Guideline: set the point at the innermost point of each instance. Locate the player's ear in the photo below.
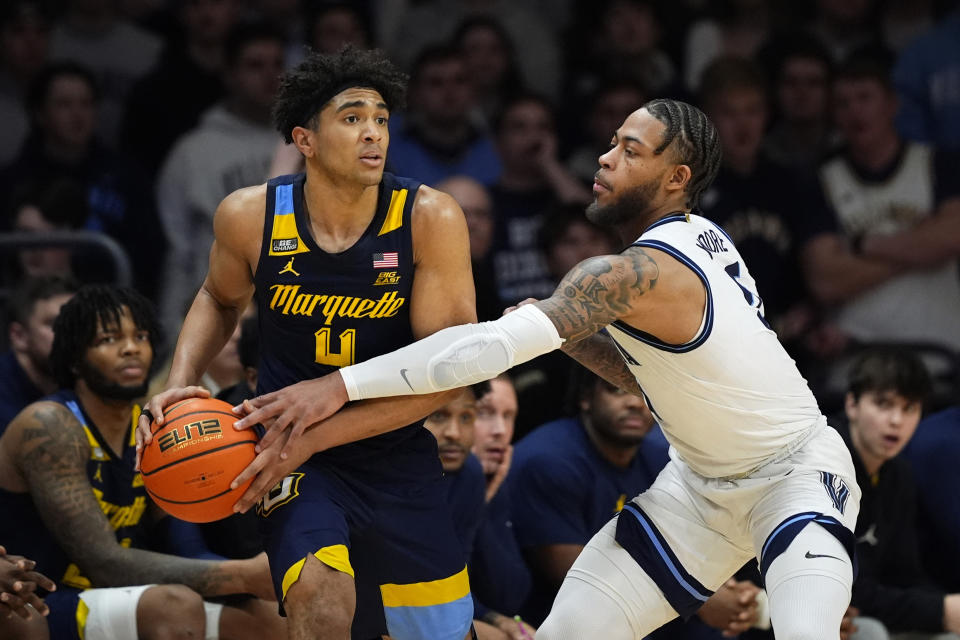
(304, 141)
(679, 178)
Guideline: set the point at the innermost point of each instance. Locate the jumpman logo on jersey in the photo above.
(289, 268)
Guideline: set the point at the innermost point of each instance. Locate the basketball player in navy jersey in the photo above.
(755, 471)
(71, 500)
(348, 262)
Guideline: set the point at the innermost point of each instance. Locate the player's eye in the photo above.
(351, 119)
(381, 121)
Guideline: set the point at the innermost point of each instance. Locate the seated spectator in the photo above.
(898, 204)
(498, 575)
(886, 391)
(933, 453)
(41, 207)
(453, 426)
(22, 610)
(64, 102)
(929, 112)
(425, 24)
(801, 134)
(24, 45)
(168, 102)
(436, 137)
(117, 52)
(334, 25)
(733, 28)
(474, 200)
(247, 352)
(607, 108)
(625, 43)
(774, 223)
(25, 373)
(843, 26)
(490, 62)
(232, 147)
(68, 463)
(533, 182)
(567, 238)
(571, 476)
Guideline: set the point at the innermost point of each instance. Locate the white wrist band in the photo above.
(455, 357)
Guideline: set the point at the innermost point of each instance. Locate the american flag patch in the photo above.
(384, 260)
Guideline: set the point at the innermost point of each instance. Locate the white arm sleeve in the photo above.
(454, 357)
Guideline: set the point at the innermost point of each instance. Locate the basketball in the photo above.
(188, 466)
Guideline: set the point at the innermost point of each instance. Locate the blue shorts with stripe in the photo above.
(394, 535)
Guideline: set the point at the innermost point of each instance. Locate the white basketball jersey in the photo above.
(731, 398)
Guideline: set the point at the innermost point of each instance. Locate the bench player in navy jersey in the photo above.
(347, 262)
(755, 471)
(71, 500)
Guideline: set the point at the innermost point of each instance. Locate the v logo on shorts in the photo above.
(811, 556)
(836, 488)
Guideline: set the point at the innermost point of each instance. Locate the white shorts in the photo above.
(689, 534)
(111, 614)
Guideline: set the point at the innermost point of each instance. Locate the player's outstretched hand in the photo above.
(153, 411)
(518, 305)
(295, 408)
(267, 469)
(18, 586)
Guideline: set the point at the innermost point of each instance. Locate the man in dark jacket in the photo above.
(883, 405)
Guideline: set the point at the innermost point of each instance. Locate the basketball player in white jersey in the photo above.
(755, 470)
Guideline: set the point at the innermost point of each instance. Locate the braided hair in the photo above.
(694, 139)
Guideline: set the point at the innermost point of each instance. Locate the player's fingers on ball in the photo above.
(251, 470)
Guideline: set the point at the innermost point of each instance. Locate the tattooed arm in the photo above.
(599, 354)
(51, 455)
(595, 293)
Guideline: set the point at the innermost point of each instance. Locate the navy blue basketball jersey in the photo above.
(117, 487)
(320, 311)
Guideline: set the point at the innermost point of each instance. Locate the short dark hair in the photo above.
(62, 201)
(522, 97)
(560, 219)
(76, 326)
(799, 46)
(307, 88)
(243, 35)
(889, 368)
(694, 140)
(34, 289)
(481, 389)
(730, 74)
(40, 87)
(433, 54)
(868, 63)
